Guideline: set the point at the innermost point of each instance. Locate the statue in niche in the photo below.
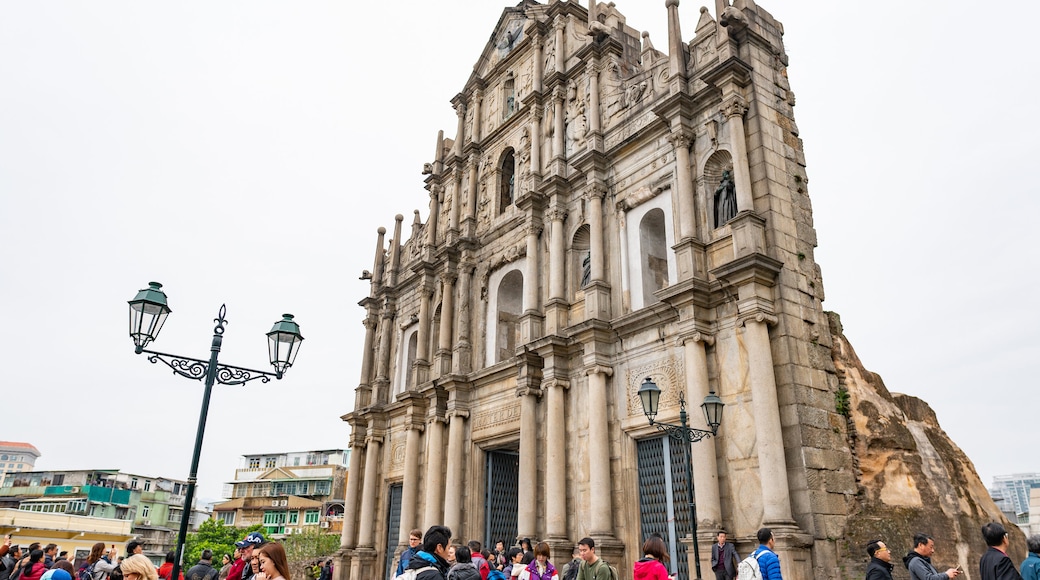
(725, 199)
(586, 269)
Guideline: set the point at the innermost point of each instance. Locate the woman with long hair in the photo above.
(101, 567)
(650, 566)
(541, 568)
(273, 563)
(138, 567)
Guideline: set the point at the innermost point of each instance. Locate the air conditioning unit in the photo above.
(324, 524)
(288, 531)
(284, 503)
(74, 489)
(274, 503)
(146, 523)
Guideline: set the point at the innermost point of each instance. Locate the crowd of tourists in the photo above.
(995, 563)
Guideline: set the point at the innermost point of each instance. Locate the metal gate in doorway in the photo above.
(393, 531)
(501, 497)
(663, 506)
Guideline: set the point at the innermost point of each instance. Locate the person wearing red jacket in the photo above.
(35, 568)
(166, 570)
(650, 566)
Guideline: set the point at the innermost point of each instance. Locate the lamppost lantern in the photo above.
(650, 396)
(284, 343)
(712, 406)
(148, 312)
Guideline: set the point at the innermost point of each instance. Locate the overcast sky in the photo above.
(245, 153)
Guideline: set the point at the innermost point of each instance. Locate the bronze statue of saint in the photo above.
(725, 199)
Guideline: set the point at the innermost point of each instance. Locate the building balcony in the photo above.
(27, 491)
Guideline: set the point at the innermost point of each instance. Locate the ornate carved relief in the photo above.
(524, 161)
(577, 126)
(670, 375)
(397, 453)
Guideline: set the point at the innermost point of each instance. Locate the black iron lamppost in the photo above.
(148, 312)
(650, 395)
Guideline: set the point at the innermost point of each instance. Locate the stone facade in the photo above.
(605, 213)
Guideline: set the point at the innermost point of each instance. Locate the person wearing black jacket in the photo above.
(204, 570)
(432, 559)
(880, 567)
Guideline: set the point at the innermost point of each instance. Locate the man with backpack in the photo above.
(763, 563)
(570, 569)
(593, 567)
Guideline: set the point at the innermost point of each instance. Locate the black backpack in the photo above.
(572, 570)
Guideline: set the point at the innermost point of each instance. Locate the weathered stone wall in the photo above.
(911, 476)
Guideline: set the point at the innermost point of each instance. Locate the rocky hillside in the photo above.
(911, 476)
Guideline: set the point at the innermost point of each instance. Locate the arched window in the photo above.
(507, 171)
(653, 248)
(510, 307)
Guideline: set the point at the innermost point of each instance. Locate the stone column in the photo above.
(676, 50)
(377, 263)
(366, 527)
(395, 251)
(444, 345)
(478, 96)
(560, 24)
(734, 111)
(422, 340)
(462, 359)
(626, 289)
(594, 114)
(431, 222)
(556, 458)
(558, 127)
(474, 187)
(527, 516)
(434, 500)
(347, 538)
(776, 497)
(367, 357)
(601, 517)
(410, 486)
(557, 255)
(596, 234)
(539, 72)
(382, 382)
(705, 466)
(455, 471)
(682, 141)
(532, 276)
(460, 134)
(536, 140)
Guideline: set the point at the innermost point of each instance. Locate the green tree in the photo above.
(214, 535)
(309, 544)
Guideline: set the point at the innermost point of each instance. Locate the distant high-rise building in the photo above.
(1014, 489)
(16, 457)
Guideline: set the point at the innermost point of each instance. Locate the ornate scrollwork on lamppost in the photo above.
(148, 312)
(650, 396)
